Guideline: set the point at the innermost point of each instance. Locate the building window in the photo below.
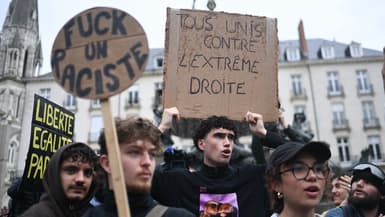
(158, 62)
(70, 102)
(158, 94)
(327, 52)
(299, 109)
(338, 114)
(374, 148)
(96, 126)
(339, 119)
(334, 87)
(13, 56)
(369, 115)
(95, 103)
(13, 103)
(17, 106)
(343, 149)
(11, 154)
(355, 50)
(292, 54)
(133, 95)
(296, 82)
(363, 84)
(45, 93)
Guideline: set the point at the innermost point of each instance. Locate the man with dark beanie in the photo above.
(367, 193)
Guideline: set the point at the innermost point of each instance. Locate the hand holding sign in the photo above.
(97, 54)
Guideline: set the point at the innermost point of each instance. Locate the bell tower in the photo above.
(20, 60)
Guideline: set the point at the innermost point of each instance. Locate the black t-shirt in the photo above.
(237, 191)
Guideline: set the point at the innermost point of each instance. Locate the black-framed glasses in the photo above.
(373, 169)
(301, 170)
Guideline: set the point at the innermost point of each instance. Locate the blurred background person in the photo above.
(340, 188)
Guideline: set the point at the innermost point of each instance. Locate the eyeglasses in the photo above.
(301, 170)
(373, 169)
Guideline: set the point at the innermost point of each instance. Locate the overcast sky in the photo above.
(340, 20)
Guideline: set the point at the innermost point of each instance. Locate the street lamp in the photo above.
(210, 5)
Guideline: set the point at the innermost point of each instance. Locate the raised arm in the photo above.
(256, 124)
(257, 127)
(168, 115)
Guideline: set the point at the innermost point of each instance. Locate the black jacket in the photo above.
(140, 205)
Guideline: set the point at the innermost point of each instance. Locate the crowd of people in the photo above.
(290, 183)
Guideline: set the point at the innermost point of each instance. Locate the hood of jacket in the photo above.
(54, 190)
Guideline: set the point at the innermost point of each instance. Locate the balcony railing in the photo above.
(341, 124)
(132, 103)
(298, 94)
(336, 93)
(365, 91)
(371, 123)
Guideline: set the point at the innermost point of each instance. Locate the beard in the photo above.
(139, 188)
(371, 201)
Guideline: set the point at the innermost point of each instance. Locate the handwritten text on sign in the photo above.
(99, 53)
(220, 63)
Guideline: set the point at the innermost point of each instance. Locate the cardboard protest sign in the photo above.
(99, 53)
(52, 127)
(220, 63)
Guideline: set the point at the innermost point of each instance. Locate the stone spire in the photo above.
(20, 45)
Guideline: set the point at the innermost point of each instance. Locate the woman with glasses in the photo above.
(296, 176)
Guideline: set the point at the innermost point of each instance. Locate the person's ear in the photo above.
(201, 144)
(104, 163)
(276, 186)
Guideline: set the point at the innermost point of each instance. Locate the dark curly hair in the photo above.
(132, 129)
(80, 152)
(213, 122)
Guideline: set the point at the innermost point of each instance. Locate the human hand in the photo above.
(167, 117)
(282, 121)
(256, 124)
(345, 182)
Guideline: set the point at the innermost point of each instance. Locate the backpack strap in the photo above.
(157, 211)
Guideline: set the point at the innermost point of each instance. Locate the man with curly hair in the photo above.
(242, 187)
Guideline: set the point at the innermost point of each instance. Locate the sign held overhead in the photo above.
(220, 63)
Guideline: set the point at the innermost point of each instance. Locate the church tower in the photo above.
(20, 60)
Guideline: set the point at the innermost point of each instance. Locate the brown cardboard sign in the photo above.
(218, 63)
(99, 52)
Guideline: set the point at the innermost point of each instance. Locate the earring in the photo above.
(279, 195)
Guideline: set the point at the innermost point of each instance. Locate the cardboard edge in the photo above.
(170, 68)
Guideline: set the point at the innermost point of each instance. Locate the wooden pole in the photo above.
(118, 182)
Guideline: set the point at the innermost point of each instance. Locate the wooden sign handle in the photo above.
(118, 182)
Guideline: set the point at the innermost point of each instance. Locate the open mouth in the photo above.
(312, 191)
(226, 153)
